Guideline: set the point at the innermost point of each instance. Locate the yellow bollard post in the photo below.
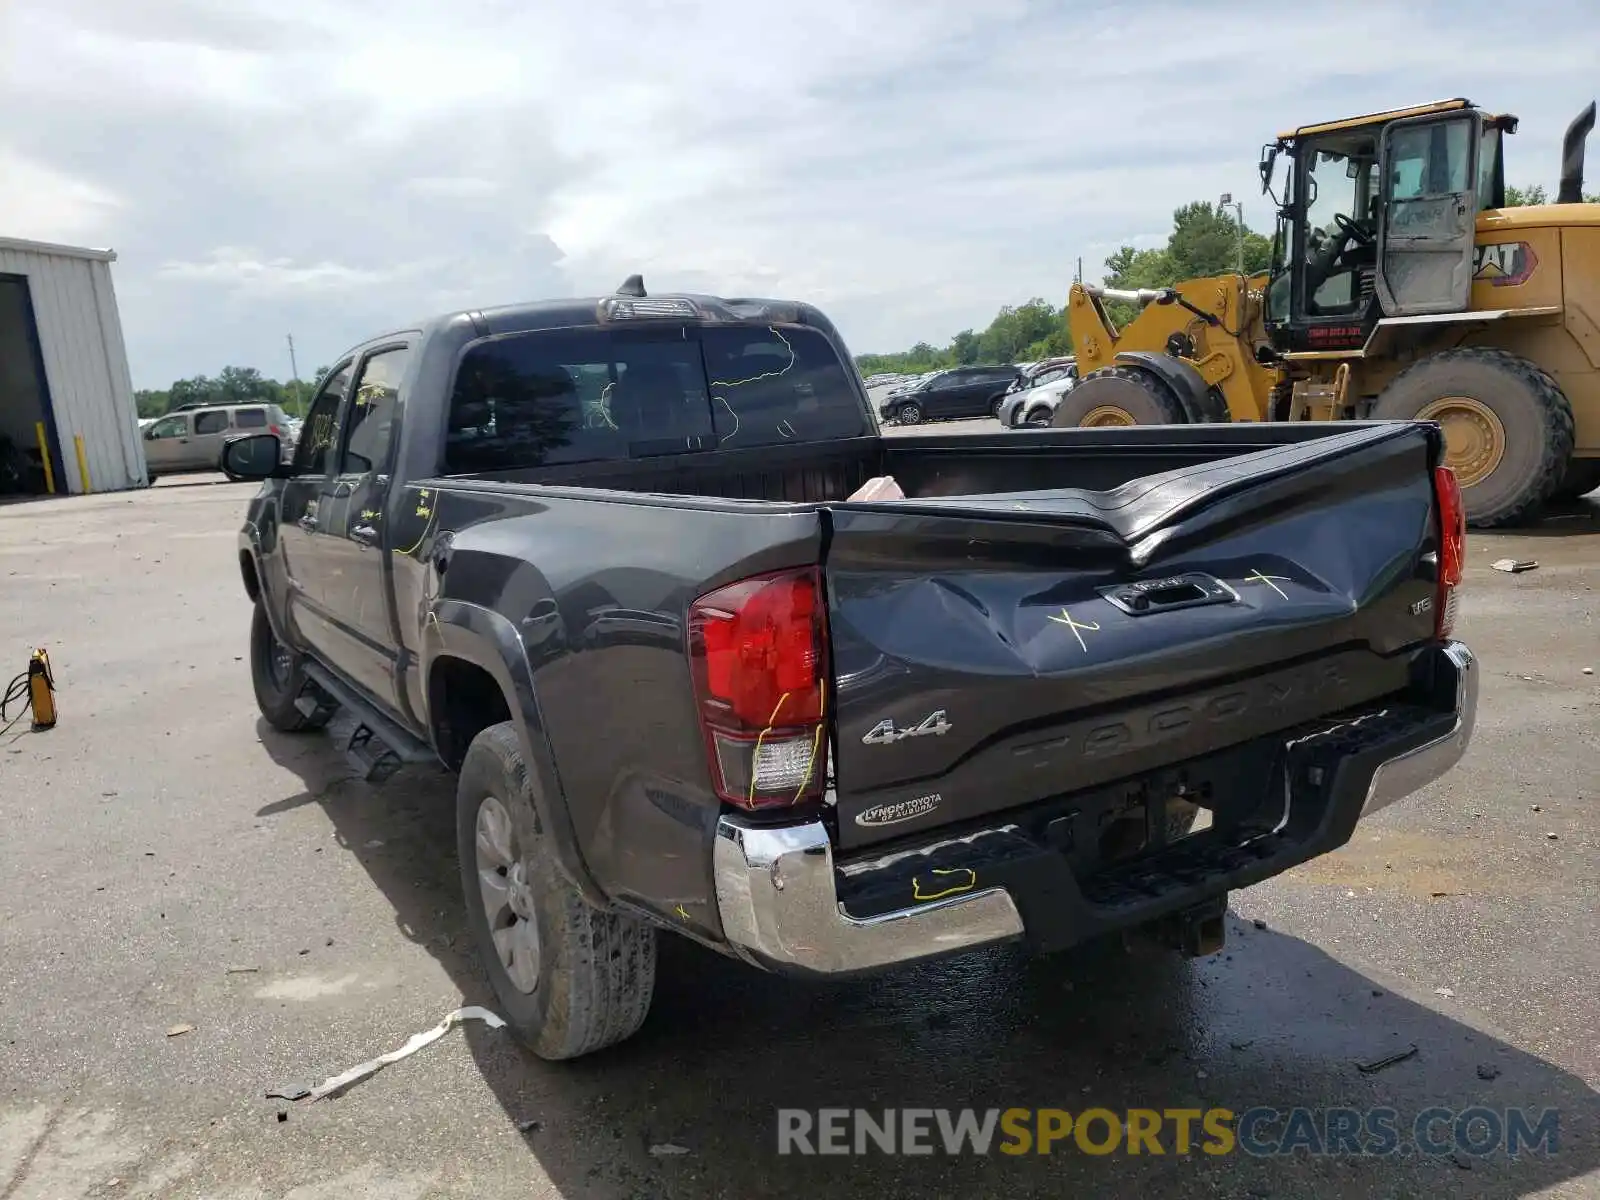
(83, 463)
(44, 454)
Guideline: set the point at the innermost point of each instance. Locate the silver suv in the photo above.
(191, 439)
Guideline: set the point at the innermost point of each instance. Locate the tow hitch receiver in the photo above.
(1198, 931)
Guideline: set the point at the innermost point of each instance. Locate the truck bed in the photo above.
(990, 595)
(929, 466)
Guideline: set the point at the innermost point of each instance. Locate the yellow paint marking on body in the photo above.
(1078, 627)
(969, 882)
(1272, 581)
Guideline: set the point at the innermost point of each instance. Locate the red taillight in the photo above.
(273, 430)
(759, 653)
(1452, 548)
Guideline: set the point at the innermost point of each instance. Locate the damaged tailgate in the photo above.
(994, 651)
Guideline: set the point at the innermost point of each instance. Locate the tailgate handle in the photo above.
(1191, 590)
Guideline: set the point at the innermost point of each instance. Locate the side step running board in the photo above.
(377, 747)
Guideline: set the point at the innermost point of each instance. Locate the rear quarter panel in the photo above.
(598, 588)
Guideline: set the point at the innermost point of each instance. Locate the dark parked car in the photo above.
(607, 560)
(959, 392)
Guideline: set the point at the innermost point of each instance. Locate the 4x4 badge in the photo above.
(884, 732)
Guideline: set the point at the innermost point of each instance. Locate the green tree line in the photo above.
(1204, 241)
(233, 385)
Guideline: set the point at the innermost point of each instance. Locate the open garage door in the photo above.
(30, 455)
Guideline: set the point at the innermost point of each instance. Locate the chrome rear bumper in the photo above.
(780, 909)
(1399, 777)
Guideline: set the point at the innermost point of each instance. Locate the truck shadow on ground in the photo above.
(1272, 1021)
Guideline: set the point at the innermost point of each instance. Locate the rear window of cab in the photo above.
(549, 397)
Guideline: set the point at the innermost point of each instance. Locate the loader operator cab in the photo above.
(1376, 218)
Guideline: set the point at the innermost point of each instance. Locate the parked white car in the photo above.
(1036, 405)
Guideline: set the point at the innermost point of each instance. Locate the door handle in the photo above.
(1191, 590)
(364, 535)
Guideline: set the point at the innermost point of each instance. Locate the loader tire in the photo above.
(1582, 476)
(568, 978)
(1118, 396)
(1508, 429)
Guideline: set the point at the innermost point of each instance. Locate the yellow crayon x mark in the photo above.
(680, 911)
(1076, 626)
(1272, 581)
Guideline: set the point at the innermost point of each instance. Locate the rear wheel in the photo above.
(1582, 477)
(1507, 427)
(1039, 417)
(569, 978)
(1114, 396)
(994, 406)
(909, 414)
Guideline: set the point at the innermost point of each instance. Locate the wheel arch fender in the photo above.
(1186, 382)
(481, 637)
(262, 574)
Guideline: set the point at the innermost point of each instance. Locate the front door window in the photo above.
(169, 427)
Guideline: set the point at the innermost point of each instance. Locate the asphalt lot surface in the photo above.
(169, 860)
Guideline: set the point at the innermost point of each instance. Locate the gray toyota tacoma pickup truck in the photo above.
(612, 562)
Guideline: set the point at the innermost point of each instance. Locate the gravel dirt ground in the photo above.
(169, 861)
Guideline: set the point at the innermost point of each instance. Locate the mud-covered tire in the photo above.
(594, 972)
(1582, 476)
(1535, 431)
(278, 676)
(1140, 398)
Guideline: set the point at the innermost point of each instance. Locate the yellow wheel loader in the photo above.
(1401, 289)
(1197, 351)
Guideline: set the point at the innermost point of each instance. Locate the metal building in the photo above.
(66, 397)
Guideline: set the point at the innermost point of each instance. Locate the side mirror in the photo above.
(1269, 161)
(254, 456)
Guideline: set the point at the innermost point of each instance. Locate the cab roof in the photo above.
(1393, 114)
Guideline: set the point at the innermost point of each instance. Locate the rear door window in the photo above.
(771, 385)
(577, 395)
(215, 421)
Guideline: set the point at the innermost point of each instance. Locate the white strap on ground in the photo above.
(417, 1042)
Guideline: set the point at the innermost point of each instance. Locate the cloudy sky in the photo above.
(331, 168)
